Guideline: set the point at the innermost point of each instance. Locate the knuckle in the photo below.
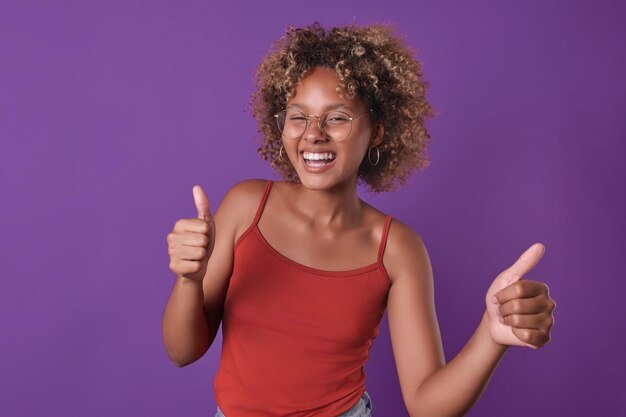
(531, 337)
(509, 320)
(539, 339)
(516, 306)
(526, 283)
(525, 335)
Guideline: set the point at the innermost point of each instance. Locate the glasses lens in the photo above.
(291, 123)
(337, 125)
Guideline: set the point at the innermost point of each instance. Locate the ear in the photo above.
(377, 134)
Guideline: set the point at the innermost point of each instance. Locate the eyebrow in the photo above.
(329, 107)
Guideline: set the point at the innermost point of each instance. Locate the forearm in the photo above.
(185, 328)
(455, 388)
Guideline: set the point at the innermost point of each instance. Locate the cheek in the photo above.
(289, 149)
(359, 148)
(353, 156)
(291, 154)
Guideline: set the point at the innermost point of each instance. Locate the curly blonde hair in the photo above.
(373, 64)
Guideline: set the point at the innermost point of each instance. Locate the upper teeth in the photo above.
(315, 156)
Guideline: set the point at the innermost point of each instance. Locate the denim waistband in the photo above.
(363, 408)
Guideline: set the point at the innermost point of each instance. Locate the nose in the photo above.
(313, 132)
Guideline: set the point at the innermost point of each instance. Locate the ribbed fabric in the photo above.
(296, 338)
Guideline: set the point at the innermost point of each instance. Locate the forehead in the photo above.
(318, 88)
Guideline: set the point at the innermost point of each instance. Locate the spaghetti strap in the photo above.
(383, 240)
(259, 211)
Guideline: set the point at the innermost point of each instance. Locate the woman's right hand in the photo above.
(191, 241)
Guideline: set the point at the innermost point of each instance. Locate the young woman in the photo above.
(299, 272)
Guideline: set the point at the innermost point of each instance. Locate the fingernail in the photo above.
(494, 300)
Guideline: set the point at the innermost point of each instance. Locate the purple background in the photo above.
(111, 111)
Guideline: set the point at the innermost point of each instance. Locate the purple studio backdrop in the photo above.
(111, 111)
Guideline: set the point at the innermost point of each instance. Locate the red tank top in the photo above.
(295, 338)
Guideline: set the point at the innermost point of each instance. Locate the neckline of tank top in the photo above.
(317, 271)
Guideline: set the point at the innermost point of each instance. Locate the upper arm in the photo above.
(413, 326)
(233, 215)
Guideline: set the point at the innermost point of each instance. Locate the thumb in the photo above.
(202, 202)
(525, 262)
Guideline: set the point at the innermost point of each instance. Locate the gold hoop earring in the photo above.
(280, 153)
(369, 156)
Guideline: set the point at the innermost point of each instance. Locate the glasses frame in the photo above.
(319, 123)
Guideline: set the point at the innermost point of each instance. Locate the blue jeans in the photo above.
(363, 408)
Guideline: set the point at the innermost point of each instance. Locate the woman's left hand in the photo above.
(520, 311)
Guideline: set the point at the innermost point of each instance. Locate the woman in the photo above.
(300, 272)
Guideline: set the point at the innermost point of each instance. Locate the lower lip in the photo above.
(317, 170)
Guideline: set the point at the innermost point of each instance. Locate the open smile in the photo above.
(318, 161)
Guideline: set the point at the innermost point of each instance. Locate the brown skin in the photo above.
(335, 230)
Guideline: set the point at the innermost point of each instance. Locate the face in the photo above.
(316, 94)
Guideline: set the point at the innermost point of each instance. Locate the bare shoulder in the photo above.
(246, 190)
(239, 205)
(405, 252)
(401, 235)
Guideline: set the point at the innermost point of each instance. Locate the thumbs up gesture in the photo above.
(519, 310)
(191, 242)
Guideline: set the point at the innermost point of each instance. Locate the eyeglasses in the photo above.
(335, 125)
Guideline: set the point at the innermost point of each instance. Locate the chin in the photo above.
(319, 182)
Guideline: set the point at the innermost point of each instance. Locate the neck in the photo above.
(338, 206)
